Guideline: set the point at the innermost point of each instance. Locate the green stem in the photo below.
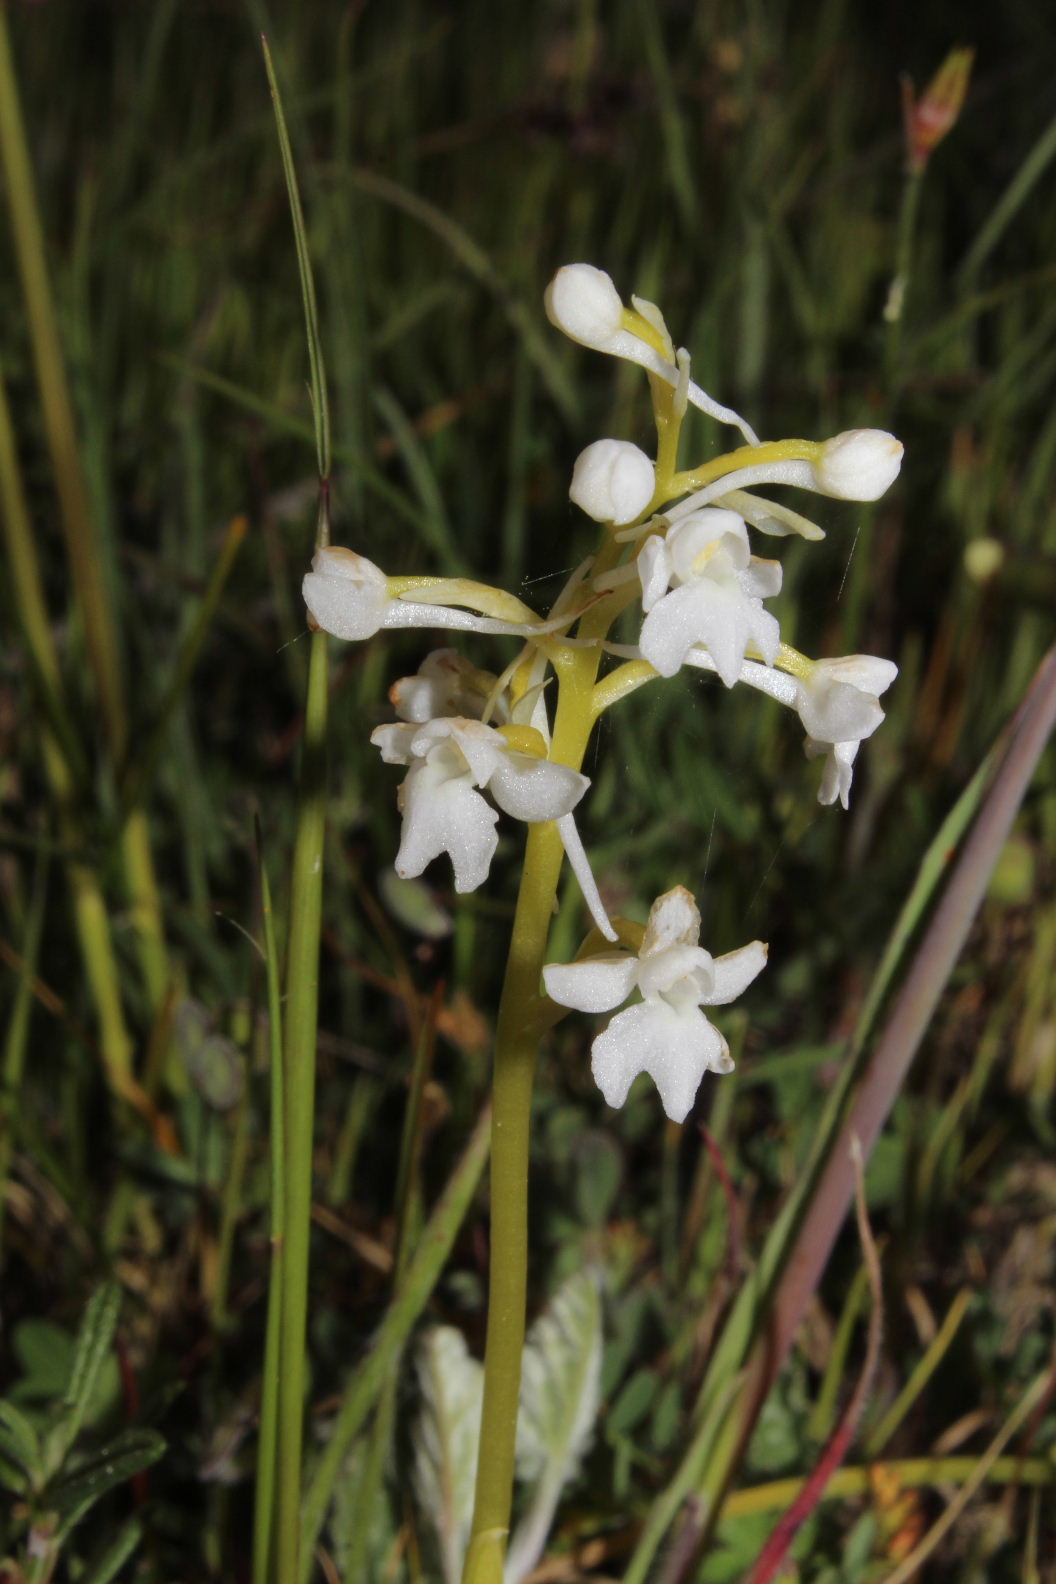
(520, 1024)
(302, 997)
(894, 312)
(263, 1508)
(515, 1048)
(16, 1041)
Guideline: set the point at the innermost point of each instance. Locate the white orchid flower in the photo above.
(838, 705)
(350, 597)
(448, 684)
(837, 701)
(612, 481)
(442, 810)
(666, 1035)
(717, 588)
(582, 301)
(451, 755)
(859, 464)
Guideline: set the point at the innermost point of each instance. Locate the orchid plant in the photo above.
(675, 546)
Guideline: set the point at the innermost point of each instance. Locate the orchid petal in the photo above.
(734, 972)
(595, 985)
(444, 814)
(535, 789)
(676, 1049)
(580, 866)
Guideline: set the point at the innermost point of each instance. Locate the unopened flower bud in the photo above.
(345, 593)
(612, 481)
(582, 301)
(859, 464)
(928, 119)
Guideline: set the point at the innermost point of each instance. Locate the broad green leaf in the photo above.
(560, 1394)
(20, 1462)
(91, 1352)
(451, 1383)
(633, 1403)
(121, 1458)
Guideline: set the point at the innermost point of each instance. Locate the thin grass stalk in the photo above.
(894, 311)
(17, 1038)
(299, 1034)
(825, 1405)
(302, 954)
(82, 541)
(910, 1473)
(423, 1270)
(230, 1209)
(140, 770)
(1034, 1397)
(925, 1368)
(1008, 205)
(267, 1459)
(89, 909)
(372, 1474)
(26, 594)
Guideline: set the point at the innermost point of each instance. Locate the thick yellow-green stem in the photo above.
(523, 1011)
(520, 1025)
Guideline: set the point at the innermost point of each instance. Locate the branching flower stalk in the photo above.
(674, 543)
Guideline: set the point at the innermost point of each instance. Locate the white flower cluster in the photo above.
(678, 547)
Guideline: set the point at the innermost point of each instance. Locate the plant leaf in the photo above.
(451, 1382)
(20, 1464)
(560, 1394)
(90, 1353)
(110, 1561)
(126, 1455)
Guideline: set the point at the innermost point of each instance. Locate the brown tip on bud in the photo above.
(928, 119)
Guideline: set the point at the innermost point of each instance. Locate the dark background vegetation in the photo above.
(741, 164)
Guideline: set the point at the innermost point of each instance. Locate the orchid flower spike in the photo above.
(665, 1035)
(717, 589)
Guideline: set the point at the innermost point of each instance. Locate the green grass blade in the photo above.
(142, 768)
(320, 400)
(1009, 204)
(264, 1501)
(302, 962)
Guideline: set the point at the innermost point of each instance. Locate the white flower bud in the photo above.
(612, 481)
(859, 464)
(346, 594)
(582, 301)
